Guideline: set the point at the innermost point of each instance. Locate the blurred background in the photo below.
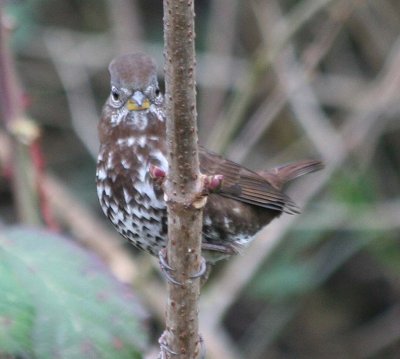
(278, 81)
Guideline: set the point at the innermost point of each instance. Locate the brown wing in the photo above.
(244, 185)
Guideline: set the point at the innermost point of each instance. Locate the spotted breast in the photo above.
(133, 137)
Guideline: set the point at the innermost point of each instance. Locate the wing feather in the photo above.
(245, 185)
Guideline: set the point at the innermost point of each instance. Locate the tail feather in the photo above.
(279, 176)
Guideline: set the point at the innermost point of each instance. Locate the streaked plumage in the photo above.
(132, 135)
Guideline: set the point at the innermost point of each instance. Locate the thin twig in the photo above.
(229, 124)
(126, 24)
(264, 116)
(183, 185)
(221, 40)
(25, 133)
(76, 83)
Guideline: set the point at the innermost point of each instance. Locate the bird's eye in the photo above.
(115, 94)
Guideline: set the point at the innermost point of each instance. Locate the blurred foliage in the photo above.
(26, 17)
(60, 301)
(297, 269)
(355, 188)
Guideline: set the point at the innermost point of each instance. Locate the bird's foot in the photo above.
(202, 270)
(202, 348)
(166, 269)
(164, 348)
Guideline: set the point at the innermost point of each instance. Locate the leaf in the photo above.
(68, 302)
(16, 313)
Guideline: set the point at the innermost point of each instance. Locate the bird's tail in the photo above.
(279, 176)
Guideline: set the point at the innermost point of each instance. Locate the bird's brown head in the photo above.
(133, 71)
(134, 94)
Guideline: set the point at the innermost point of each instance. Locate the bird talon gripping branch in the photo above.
(165, 267)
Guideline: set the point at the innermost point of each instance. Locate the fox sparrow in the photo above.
(133, 140)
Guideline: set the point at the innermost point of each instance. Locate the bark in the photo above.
(183, 185)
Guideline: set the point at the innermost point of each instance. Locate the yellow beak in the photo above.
(132, 105)
(138, 102)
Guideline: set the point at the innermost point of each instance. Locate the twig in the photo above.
(228, 125)
(262, 118)
(81, 53)
(365, 218)
(306, 107)
(126, 24)
(25, 133)
(183, 184)
(221, 40)
(76, 83)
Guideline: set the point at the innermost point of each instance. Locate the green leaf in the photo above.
(68, 302)
(16, 313)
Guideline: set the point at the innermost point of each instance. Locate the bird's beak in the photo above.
(138, 102)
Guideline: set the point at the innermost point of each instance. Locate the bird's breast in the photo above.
(127, 193)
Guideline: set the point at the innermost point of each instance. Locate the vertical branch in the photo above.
(183, 184)
(23, 130)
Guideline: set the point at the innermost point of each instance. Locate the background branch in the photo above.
(24, 132)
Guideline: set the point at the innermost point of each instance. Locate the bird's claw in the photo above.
(202, 348)
(164, 348)
(166, 268)
(202, 270)
(162, 257)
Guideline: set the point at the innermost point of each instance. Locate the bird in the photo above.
(132, 134)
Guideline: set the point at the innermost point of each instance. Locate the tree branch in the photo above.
(25, 133)
(183, 185)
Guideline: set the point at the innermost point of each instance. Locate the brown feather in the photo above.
(245, 185)
(279, 176)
